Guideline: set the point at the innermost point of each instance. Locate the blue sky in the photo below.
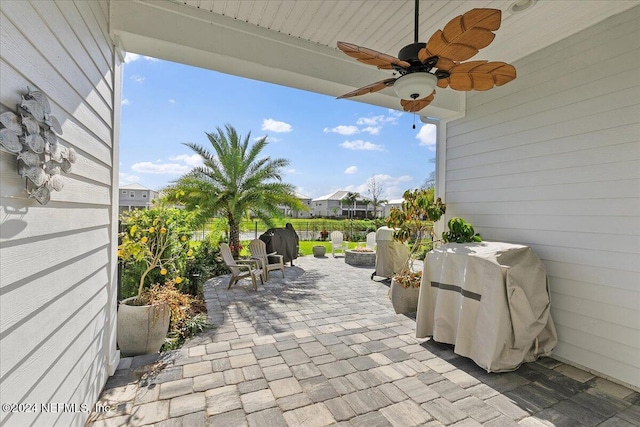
(330, 144)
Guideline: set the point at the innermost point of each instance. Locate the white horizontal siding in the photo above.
(552, 160)
(56, 268)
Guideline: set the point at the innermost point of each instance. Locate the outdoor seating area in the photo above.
(323, 346)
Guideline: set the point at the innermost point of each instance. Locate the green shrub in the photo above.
(205, 264)
(460, 231)
(136, 226)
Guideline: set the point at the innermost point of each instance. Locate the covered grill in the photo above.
(390, 254)
(283, 241)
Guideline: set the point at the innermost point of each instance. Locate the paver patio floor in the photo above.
(323, 346)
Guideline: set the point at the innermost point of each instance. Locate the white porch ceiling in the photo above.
(293, 42)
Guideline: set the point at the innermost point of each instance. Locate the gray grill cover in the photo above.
(283, 241)
(490, 300)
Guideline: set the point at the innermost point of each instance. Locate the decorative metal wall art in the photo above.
(33, 137)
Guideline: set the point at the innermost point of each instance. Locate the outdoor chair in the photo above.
(267, 261)
(338, 243)
(371, 240)
(241, 268)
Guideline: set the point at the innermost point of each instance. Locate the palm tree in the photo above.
(234, 181)
(351, 198)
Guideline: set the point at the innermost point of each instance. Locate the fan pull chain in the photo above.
(414, 119)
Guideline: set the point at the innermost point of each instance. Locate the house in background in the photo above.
(136, 196)
(550, 160)
(328, 205)
(393, 203)
(336, 205)
(305, 200)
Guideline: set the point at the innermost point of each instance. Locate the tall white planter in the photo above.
(404, 300)
(142, 329)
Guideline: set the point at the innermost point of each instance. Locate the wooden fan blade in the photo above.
(412, 106)
(478, 75)
(372, 57)
(445, 64)
(373, 87)
(463, 36)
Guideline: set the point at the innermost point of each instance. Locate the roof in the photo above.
(302, 196)
(259, 34)
(135, 186)
(337, 195)
(395, 202)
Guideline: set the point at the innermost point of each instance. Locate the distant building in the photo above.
(290, 213)
(395, 203)
(334, 204)
(328, 205)
(136, 196)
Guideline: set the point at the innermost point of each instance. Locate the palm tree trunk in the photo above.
(234, 236)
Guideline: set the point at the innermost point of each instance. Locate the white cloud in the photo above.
(371, 125)
(276, 126)
(137, 78)
(351, 170)
(131, 57)
(180, 164)
(370, 120)
(125, 101)
(161, 168)
(269, 138)
(395, 113)
(427, 136)
(125, 178)
(394, 186)
(373, 130)
(359, 144)
(343, 130)
(172, 101)
(292, 172)
(193, 160)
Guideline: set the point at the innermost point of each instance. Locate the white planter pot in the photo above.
(404, 300)
(142, 329)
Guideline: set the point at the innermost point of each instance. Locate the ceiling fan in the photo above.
(423, 66)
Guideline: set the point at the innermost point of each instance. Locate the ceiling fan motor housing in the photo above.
(409, 53)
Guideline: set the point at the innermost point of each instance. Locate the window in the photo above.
(124, 191)
(144, 196)
(132, 194)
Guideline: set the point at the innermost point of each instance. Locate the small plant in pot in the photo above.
(413, 222)
(155, 242)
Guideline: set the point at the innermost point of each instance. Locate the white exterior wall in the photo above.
(551, 160)
(57, 300)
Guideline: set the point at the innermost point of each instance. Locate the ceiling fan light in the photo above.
(415, 85)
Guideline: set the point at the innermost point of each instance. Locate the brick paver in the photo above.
(323, 346)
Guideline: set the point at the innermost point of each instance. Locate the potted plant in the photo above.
(154, 242)
(412, 222)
